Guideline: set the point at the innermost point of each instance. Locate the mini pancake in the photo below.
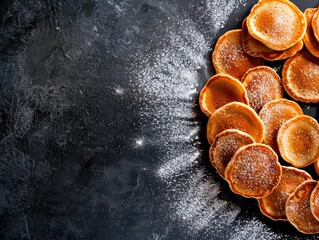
(229, 56)
(224, 147)
(278, 24)
(273, 206)
(300, 77)
(255, 48)
(298, 209)
(219, 90)
(262, 84)
(254, 171)
(298, 141)
(235, 115)
(273, 115)
(314, 202)
(309, 39)
(315, 25)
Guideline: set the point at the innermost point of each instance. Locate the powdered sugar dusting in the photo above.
(253, 229)
(170, 169)
(225, 146)
(168, 78)
(200, 205)
(170, 75)
(215, 14)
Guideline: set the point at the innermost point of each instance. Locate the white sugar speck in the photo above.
(139, 142)
(119, 91)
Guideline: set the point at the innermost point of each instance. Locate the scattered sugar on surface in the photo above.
(201, 206)
(217, 13)
(253, 229)
(168, 83)
(180, 163)
(168, 77)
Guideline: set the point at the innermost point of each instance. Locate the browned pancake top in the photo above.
(229, 56)
(300, 77)
(254, 171)
(220, 90)
(298, 141)
(262, 84)
(235, 115)
(278, 24)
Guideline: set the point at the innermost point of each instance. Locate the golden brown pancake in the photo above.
(273, 206)
(254, 171)
(314, 202)
(300, 77)
(278, 24)
(315, 24)
(219, 90)
(230, 58)
(235, 115)
(273, 115)
(309, 39)
(298, 209)
(298, 141)
(262, 84)
(255, 48)
(224, 147)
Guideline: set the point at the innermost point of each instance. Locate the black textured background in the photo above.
(76, 160)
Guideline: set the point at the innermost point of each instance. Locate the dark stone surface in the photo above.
(78, 157)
